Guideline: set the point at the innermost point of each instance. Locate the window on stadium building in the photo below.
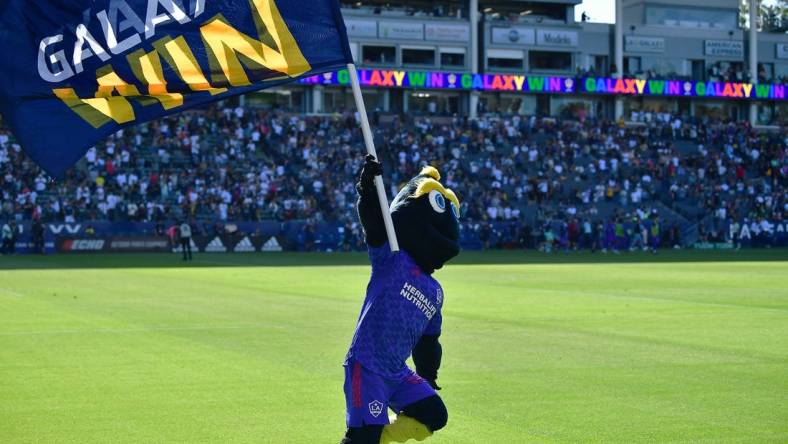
(575, 107)
(631, 66)
(501, 63)
(765, 113)
(507, 104)
(724, 71)
(505, 59)
(765, 72)
(453, 58)
(698, 70)
(781, 114)
(691, 17)
(418, 56)
(379, 55)
(337, 100)
(284, 98)
(549, 61)
(662, 66)
(601, 65)
(781, 72)
(433, 103)
(639, 109)
(716, 109)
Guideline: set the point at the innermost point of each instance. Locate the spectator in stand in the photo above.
(235, 164)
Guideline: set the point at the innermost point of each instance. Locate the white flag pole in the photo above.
(365, 129)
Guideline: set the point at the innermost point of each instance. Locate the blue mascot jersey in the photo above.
(401, 305)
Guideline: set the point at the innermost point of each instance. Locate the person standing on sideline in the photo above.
(38, 237)
(735, 229)
(7, 235)
(14, 236)
(586, 239)
(185, 231)
(655, 235)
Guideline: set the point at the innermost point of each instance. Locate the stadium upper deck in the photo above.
(472, 57)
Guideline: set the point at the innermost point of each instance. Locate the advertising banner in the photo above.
(654, 45)
(724, 48)
(551, 84)
(401, 30)
(515, 35)
(447, 32)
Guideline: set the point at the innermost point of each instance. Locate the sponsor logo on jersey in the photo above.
(418, 299)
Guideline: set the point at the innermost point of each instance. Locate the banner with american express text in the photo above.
(75, 71)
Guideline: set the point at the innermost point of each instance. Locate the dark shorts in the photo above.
(368, 396)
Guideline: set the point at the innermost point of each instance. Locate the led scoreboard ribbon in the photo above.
(551, 84)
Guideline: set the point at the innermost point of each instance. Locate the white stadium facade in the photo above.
(474, 57)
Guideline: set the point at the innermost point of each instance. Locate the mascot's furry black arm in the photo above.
(368, 204)
(427, 356)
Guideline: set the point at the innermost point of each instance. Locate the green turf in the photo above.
(687, 347)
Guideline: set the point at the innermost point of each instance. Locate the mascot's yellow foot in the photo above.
(402, 429)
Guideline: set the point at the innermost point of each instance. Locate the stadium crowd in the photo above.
(560, 183)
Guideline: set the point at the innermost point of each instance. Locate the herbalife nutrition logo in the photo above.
(245, 246)
(418, 299)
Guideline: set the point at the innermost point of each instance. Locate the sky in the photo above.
(604, 10)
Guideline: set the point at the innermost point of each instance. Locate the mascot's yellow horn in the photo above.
(431, 183)
(430, 171)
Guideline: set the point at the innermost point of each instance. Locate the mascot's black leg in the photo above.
(429, 411)
(417, 421)
(369, 434)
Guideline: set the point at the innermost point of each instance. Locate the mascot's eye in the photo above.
(455, 210)
(437, 201)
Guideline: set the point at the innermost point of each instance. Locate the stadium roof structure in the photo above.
(725, 4)
(416, 4)
(561, 2)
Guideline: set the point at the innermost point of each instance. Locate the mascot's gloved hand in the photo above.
(372, 168)
(433, 384)
(368, 204)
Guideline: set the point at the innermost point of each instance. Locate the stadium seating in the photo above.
(520, 174)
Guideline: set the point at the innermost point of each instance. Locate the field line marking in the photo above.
(141, 330)
(663, 299)
(10, 292)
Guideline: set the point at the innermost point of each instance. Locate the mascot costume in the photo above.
(401, 315)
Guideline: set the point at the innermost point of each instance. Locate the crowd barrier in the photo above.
(272, 236)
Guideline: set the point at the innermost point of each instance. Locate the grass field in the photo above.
(682, 347)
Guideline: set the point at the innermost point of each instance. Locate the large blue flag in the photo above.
(75, 71)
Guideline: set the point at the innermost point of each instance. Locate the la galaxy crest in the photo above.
(375, 408)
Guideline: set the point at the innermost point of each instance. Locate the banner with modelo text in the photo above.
(76, 71)
(387, 78)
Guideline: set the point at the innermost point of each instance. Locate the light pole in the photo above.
(619, 54)
(473, 15)
(753, 56)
